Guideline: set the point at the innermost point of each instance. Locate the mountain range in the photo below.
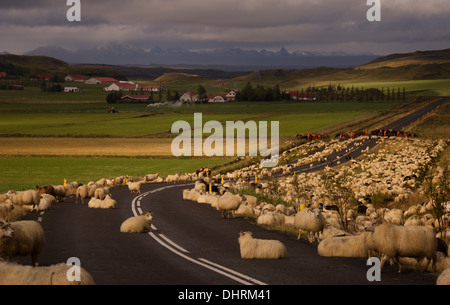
(125, 54)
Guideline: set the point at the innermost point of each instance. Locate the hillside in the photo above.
(412, 66)
(28, 65)
(409, 59)
(169, 78)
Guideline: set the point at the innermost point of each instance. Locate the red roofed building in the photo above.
(303, 96)
(76, 78)
(100, 80)
(135, 97)
(3, 74)
(44, 76)
(152, 88)
(122, 86)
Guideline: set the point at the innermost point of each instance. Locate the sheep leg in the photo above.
(34, 259)
(384, 258)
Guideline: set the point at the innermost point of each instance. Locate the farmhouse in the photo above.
(122, 86)
(75, 78)
(3, 74)
(231, 96)
(189, 97)
(100, 80)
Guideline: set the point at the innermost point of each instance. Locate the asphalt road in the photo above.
(190, 244)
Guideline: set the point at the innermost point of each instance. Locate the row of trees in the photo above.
(357, 94)
(260, 93)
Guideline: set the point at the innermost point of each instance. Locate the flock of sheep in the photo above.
(396, 235)
(27, 238)
(403, 236)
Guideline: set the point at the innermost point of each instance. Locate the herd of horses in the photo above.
(351, 135)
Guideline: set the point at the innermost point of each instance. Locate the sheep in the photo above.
(21, 238)
(30, 197)
(394, 241)
(13, 274)
(311, 221)
(82, 193)
(137, 224)
(270, 219)
(5, 210)
(345, 246)
(101, 192)
(134, 187)
(252, 248)
(45, 203)
(229, 203)
(109, 203)
(444, 278)
(59, 192)
(91, 190)
(95, 203)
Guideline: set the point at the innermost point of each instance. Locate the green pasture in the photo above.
(24, 173)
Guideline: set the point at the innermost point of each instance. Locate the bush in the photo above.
(113, 97)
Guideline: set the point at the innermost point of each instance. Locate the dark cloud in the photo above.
(296, 24)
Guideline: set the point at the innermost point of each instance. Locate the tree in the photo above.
(113, 97)
(201, 91)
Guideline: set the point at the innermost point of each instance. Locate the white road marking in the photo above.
(180, 251)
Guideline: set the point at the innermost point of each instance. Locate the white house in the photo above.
(122, 86)
(189, 97)
(231, 96)
(217, 98)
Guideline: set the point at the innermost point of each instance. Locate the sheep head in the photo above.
(147, 215)
(5, 230)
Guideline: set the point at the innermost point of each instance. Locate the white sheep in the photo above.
(13, 274)
(137, 224)
(5, 210)
(135, 187)
(82, 193)
(345, 246)
(109, 203)
(95, 203)
(252, 248)
(229, 203)
(21, 238)
(30, 197)
(101, 192)
(444, 278)
(311, 221)
(394, 241)
(270, 219)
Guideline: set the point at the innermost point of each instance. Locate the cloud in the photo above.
(28, 24)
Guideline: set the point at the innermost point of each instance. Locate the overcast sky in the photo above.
(311, 25)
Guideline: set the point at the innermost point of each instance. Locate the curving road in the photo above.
(190, 244)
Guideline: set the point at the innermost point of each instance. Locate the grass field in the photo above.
(21, 173)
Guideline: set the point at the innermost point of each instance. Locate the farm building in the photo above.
(3, 74)
(217, 98)
(152, 88)
(72, 89)
(122, 86)
(75, 78)
(231, 96)
(189, 97)
(135, 98)
(303, 96)
(100, 80)
(44, 76)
